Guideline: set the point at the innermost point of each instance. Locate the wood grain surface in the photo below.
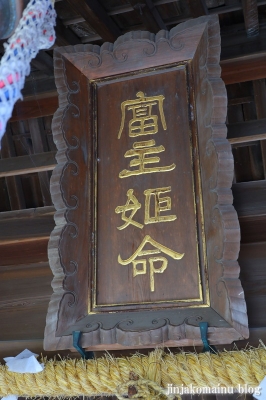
(85, 112)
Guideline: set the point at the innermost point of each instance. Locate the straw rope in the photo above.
(138, 376)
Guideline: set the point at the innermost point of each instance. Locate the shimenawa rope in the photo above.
(138, 376)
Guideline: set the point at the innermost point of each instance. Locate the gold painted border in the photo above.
(201, 271)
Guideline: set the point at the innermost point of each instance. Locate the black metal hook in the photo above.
(87, 355)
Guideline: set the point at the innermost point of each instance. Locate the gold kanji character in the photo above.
(159, 248)
(132, 205)
(160, 204)
(141, 150)
(143, 122)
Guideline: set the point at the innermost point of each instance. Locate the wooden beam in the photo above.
(37, 87)
(234, 70)
(253, 229)
(245, 68)
(197, 8)
(252, 260)
(259, 89)
(44, 63)
(14, 186)
(240, 100)
(248, 131)
(236, 44)
(250, 10)
(149, 15)
(28, 224)
(65, 36)
(93, 12)
(27, 164)
(35, 107)
(30, 251)
(250, 198)
(40, 145)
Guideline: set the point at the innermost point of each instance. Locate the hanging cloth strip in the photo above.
(34, 32)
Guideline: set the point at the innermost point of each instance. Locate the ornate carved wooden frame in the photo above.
(199, 42)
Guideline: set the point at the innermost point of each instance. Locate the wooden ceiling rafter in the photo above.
(259, 89)
(234, 70)
(40, 145)
(251, 17)
(13, 183)
(149, 15)
(37, 162)
(98, 19)
(44, 62)
(198, 8)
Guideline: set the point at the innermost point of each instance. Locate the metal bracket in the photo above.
(203, 332)
(87, 355)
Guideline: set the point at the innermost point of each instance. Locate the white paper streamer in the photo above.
(25, 362)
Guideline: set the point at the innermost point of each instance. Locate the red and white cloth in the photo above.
(34, 32)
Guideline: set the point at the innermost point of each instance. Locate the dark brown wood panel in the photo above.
(16, 281)
(245, 68)
(248, 131)
(13, 184)
(30, 223)
(40, 145)
(149, 15)
(253, 229)
(28, 164)
(34, 108)
(115, 179)
(28, 250)
(94, 13)
(259, 88)
(250, 198)
(20, 319)
(253, 277)
(197, 8)
(67, 261)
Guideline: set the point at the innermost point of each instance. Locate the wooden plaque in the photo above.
(146, 239)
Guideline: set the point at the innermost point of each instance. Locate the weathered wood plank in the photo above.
(64, 36)
(197, 8)
(40, 145)
(149, 15)
(30, 251)
(30, 213)
(259, 88)
(44, 63)
(250, 198)
(35, 107)
(14, 186)
(21, 285)
(244, 68)
(37, 87)
(95, 15)
(24, 322)
(248, 131)
(253, 229)
(27, 164)
(252, 259)
(26, 224)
